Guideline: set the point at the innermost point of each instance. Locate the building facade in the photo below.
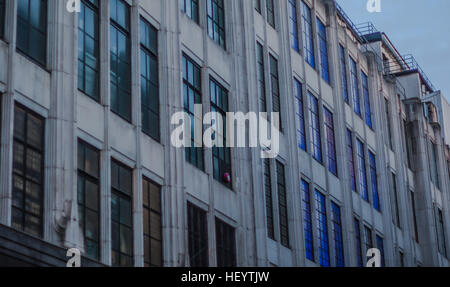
(87, 160)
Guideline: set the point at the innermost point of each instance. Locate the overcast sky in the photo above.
(418, 27)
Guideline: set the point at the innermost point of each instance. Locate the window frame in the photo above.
(261, 77)
(343, 72)
(270, 223)
(314, 128)
(331, 141)
(293, 25)
(374, 181)
(336, 219)
(300, 115)
(214, 24)
(225, 244)
(2, 18)
(308, 231)
(282, 204)
(275, 87)
(191, 4)
(355, 86)
(193, 210)
(307, 35)
(322, 228)
(362, 171)
(323, 50)
(366, 96)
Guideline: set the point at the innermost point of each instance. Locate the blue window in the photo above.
(307, 221)
(362, 170)
(322, 32)
(344, 82)
(355, 87)
(300, 115)
(270, 6)
(308, 42)
(374, 182)
(190, 7)
(380, 246)
(293, 29)
(216, 21)
(269, 200)
(351, 161)
(316, 142)
(261, 77)
(358, 243)
(329, 133)
(275, 87)
(322, 230)
(368, 110)
(337, 235)
(2, 18)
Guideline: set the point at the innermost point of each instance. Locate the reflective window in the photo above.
(282, 205)
(152, 224)
(358, 246)
(190, 7)
(198, 237)
(261, 77)
(343, 67)
(337, 235)
(316, 142)
(307, 221)
(322, 229)
(269, 199)
(362, 170)
(216, 21)
(351, 161)
(300, 118)
(380, 246)
(308, 41)
(275, 87)
(225, 245)
(367, 107)
(270, 6)
(323, 50)
(331, 147)
(355, 87)
(374, 181)
(293, 25)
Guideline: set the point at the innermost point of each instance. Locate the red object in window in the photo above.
(227, 177)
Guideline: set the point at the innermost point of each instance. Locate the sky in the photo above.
(417, 27)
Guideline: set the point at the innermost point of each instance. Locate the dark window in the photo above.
(337, 235)
(367, 107)
(88, 49)
(380, 246)
(216, 21)
(221, 155)
(322, 229)
(28, 172)
(261, 77)
(192, 96)
(293, 25)
(190, 7)
(434, 165)
(362, 170)
(388, 123)
(301, 133)
(407, 143)
(282, 205)
(368, 238)
(374, 181)
(198, 237)
(441, 234)
(395, 197)
(270, 6)
(121, 215)
(275, 85)
(2, 18)
(226, 246)
(307, 221)
(120, 59)
(308, 41)
(257, 4)
(413, 207)
(32, 29)
(269, 199)
(152, 224)
(355, 87)
(149, 81)
(344, 82)
(329, 133)
(351, 161)
(358, 243)
(89, 198)
(322, 33)
(316, 142)
(401, 258)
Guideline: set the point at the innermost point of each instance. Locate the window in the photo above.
(88, 49)
(337, 235)
(407, 143)
(374, 181)
(270, 6)
(198, 237)
(32, 29)
(257, 4)
(261, 77)
(149, 81)
(89, 198)
(282, 205)
(226, 247)
(358, 242)
(329, 133)
(308, 42)
(275, 85)
(368, 238)
(395, 195)
(216, 21)
(301, 133)
(192, 96)
(322, 229)
(434, 165)
(120, 59)
(388, 123)
(121, 215)
(441, 234)
(221, 155)
(380, 246)
(355, 87)
(368, 110)
(322, 33)
(362, 170)
(2, 18)
(269, 200)
(190, 8)
(401, 258)
(293, 25)
(28, 172)
(351, 161)
(152, 224)
(316, 142)
(413, 207)
(343, 67)
(307, 221)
